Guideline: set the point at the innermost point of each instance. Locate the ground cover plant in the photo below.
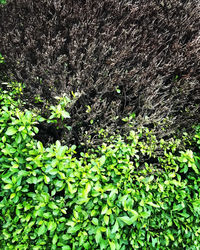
(112, 197)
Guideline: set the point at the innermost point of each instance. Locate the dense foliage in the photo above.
(94, 152)
(120, 56)
(108, 198)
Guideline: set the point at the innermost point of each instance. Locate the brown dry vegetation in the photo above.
(149, 50)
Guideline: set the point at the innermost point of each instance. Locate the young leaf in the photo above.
(65, 114)
(128, 220)
(73, 230)
(42, 229)
(12, 196)
(106, 219)
(40, 146)
(18, 138)
(55, 239)
(98, 236)
(102, 160)
(52, 205)
(86, 190)
(3, 139)
(105, 209)
(8, 186)
(11, 131)
(95, 221)
(115, 227)
(153, 204)
(70, 188)
(112, 245)
(51, 226)
(46, 179)
(145, 214)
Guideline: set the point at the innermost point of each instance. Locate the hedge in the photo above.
(118, 196)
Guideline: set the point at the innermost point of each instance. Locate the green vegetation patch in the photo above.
(119, 196)
(2, 1)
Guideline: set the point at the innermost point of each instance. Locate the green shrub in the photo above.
(120, 196)
(2, 1)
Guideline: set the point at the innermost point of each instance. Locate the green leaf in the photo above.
(102, 160)
(58, 183)
(115, 227)
(28, 115)
(178, 207)
(196, 206)
(53, 171)
(32, 180)
(51, 226)
(65, 114)
(184, 214)
(11, 131)
(128, 220)
(106, 219)
(35, 129)
(3, 139)
(2, 2)
(46, 179)
(8, 186)
(40, 146)
(18, 138)
(170, 236)
(12, 196)
(194, 167)
(154, 241)
(105, 209)
(41, 230)
(153, 204)
(112, 245)
(70, 188)
(62, 175)
(86, 190)
(98, 236)
(52, 205)
(66, 248)
(55, 239)
(95, 221)
(73, 230)
(149, 179)
(145, 215)
(21, 128)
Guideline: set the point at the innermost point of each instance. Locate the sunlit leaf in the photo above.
(11, 131)
(8, 186)
(46, 179)
(98, 236)
(128, 220)
(105, 209)
(95, 221)
(55, 239)
(115, 227)
(42, 229)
